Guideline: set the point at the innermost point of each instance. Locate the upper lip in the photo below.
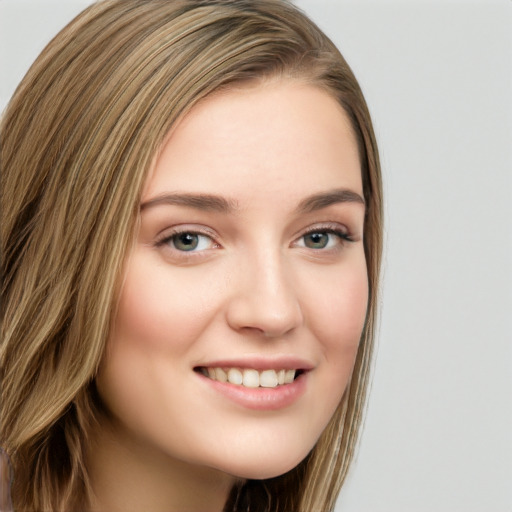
(260, 363)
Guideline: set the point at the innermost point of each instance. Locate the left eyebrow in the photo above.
(325, 199)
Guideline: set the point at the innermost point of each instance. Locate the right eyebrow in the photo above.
(205, 202)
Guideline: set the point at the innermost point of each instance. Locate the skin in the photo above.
(254, 289)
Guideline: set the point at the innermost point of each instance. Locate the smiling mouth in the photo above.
(250, 378)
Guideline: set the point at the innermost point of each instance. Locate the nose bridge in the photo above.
(265, 297)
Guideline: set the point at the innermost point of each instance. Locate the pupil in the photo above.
(186, 241)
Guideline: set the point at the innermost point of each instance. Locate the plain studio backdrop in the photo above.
(438, 80)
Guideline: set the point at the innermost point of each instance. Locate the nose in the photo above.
(264, 298)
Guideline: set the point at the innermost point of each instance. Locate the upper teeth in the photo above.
(251, 378)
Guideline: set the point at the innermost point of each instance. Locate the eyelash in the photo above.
(329, 229)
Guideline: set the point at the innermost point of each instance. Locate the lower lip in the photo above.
(261, 399)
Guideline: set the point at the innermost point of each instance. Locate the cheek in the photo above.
(337, 306)
(161, 311)
(159, 320)
(337, 317)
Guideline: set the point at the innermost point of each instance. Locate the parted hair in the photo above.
(78, 138)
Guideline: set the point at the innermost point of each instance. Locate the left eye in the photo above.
(320, 240)
(189, 241)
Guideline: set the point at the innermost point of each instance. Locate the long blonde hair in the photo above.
(77, 140)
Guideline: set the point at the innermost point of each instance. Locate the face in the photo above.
(245, 295)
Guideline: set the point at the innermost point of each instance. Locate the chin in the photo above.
(264, 468)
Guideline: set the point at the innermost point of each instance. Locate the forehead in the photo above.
(278, 134)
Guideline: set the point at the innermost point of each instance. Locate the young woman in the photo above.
(191, 236)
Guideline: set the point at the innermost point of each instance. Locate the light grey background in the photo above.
(438, 79)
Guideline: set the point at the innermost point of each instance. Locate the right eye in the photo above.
(188, 241)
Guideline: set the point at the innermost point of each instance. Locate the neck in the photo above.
(127, 475)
